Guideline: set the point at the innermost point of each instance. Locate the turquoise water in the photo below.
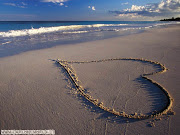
(20, 25)
(20, 36)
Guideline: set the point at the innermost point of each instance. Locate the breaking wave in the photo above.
(64, 29)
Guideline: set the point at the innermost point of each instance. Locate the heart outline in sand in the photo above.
(74, 79)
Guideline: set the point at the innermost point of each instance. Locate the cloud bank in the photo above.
(162, 9)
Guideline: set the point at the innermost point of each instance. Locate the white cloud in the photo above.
(126, 3)
(22, 5)
(10, 4)
(93, 7)
(163, 9)
(131, 15)
(137, 8)
(54, 1)
(61, 4)
(57, 2)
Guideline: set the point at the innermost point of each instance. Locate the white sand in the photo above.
(34, 92)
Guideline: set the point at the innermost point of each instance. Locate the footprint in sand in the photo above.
(125, 86)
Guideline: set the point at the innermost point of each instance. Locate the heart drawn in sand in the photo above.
(67, 67)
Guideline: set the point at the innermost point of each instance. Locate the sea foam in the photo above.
(64, 29)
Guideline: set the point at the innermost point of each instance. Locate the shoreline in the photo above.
(35, 93)
(7, 50)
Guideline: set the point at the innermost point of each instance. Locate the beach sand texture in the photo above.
(36, 92)
(114, 75)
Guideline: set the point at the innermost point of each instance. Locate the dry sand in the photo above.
(35, 92)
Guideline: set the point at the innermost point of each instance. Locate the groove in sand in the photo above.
(73, 76)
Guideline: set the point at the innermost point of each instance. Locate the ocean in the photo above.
(21, 36)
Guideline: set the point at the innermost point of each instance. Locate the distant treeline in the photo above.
(171, 19)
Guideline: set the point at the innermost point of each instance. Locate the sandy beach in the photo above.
(37, 93)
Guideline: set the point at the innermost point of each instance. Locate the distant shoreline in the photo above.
(171, 19)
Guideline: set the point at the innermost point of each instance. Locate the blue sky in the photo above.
(87, 10)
